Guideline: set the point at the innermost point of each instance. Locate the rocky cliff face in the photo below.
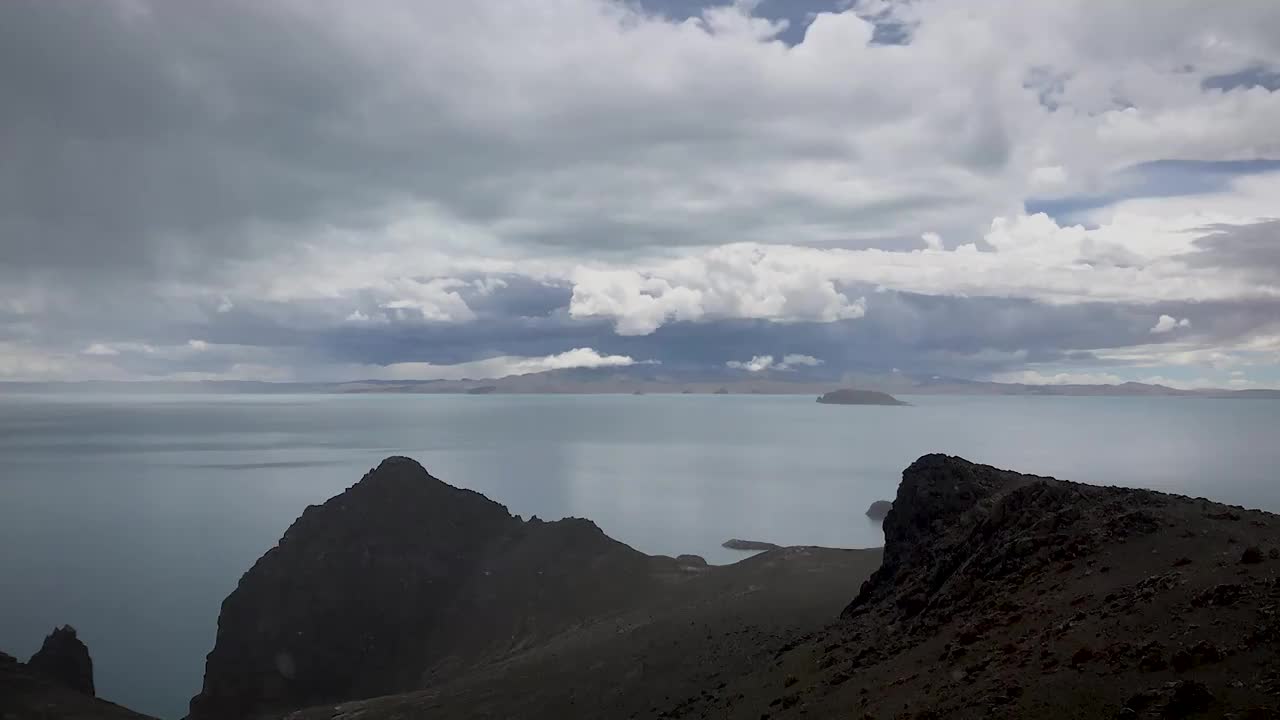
(399, 579)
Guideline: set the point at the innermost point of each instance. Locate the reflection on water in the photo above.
(135, 516)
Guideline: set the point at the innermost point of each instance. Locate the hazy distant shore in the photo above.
(596, 382)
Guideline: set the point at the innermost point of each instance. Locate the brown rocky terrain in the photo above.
(1008, 595)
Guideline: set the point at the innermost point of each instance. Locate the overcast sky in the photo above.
(329, 190)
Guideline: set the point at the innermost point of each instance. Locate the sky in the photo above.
(1043, 192)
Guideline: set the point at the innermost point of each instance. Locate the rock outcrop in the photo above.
(57, 684)
(858, 397)
(63, 658)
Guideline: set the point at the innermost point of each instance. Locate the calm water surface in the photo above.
(131, 517)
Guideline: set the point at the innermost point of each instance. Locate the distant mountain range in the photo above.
(646, 379)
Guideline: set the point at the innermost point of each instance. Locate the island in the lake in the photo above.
(848, 396)
(736, 544)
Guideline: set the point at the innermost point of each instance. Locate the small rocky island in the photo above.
(848, 396)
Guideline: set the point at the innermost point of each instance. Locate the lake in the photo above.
(132, 517)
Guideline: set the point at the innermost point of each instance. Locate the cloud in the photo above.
(760, 363)
(1130, 258)
(1252, 248)
(800, 360)
(116, 348)
(205, 170)
(498, 367)
(1168, 323)
(433, 300)
(1036, 377)
(100, 349)
(775, 283)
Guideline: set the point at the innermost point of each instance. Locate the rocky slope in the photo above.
(997, 594)
(404, 583)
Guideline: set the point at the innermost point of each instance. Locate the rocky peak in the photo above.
(398, 578)
(64, 659)
(341, 606)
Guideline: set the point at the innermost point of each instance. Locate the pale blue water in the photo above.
(132, 517)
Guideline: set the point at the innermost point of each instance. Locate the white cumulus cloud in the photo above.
(1168, 323)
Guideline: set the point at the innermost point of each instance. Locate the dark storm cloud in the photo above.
(118, 148)
(164, 137)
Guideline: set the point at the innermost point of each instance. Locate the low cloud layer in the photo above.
(495, 367)
(312, 190)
